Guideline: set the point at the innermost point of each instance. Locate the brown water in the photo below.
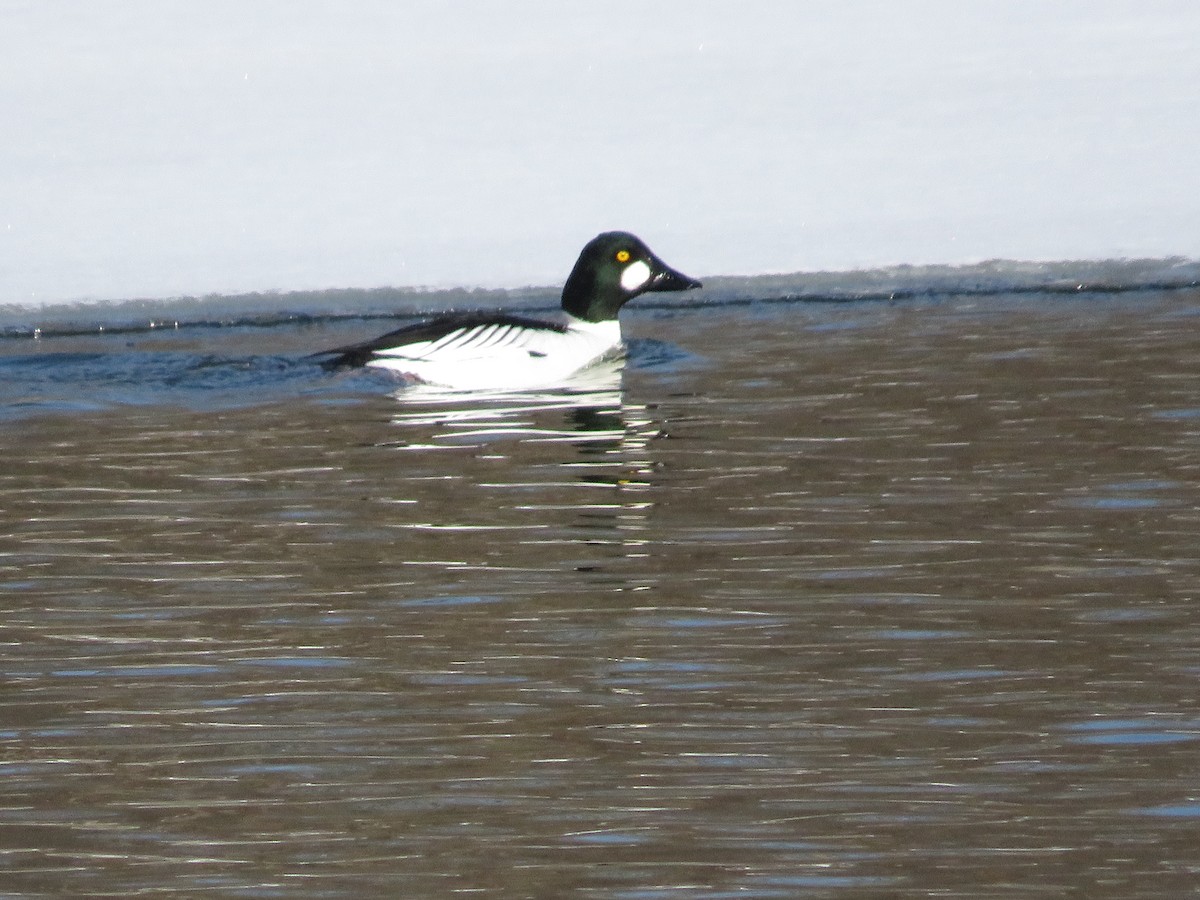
(857, 600)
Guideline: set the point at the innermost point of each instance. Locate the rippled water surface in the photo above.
(805, 600)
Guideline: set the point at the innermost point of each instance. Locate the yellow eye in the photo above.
(622, 256)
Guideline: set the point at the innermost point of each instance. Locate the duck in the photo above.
(501, 351)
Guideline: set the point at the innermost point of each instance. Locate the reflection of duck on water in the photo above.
(577, 455)
(585, 406)
(587, 410)
(496, 351)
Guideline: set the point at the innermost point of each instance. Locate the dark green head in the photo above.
(614, 268)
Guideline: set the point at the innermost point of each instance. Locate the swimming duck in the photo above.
(507, 352)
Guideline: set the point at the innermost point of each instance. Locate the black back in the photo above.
(429, 330)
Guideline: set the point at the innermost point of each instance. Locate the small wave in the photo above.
(88, 381)
(86, 374)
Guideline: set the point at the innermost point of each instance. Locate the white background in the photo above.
(153, 148)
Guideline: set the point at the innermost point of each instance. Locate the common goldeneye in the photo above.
(506, 352)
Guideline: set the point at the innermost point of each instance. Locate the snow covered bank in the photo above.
(163, 148)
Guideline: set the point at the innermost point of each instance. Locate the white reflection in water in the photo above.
(578, 449)
(597, 386)
(591, 404)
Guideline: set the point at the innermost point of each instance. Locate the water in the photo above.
(854, 599)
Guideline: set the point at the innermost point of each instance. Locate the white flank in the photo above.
(491, 357)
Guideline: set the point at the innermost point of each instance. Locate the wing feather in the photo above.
(461, 332)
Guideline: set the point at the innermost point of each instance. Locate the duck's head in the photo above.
(614, 268)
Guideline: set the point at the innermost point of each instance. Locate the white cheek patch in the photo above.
(635, 275)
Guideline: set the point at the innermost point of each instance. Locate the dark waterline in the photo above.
(821, 600)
